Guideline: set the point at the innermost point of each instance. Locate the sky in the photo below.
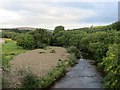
(51, 13)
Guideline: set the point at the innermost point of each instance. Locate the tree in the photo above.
(25, 40)
(58, 29)
(41, 37)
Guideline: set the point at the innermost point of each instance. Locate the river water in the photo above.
(82, 75)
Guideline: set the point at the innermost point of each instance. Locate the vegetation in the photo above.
(34, 39)
(30, 81)
(111, 65)
(41, 38)
(103, 42)
(10, 50)
(74, 50)
(58, 29)
(25, 40)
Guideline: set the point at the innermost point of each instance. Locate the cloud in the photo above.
(50, 14)
(60, 0)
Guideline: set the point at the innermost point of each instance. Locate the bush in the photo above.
(41, 37)
(111, 65)
(74, 50)
(30, 81)
(72, 60)
(99, 50)
(26, 41)
(5, 83)
(9, 34)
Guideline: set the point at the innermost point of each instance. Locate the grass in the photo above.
(9, 50)
(30, 81)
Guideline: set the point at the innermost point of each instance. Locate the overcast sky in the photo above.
(44, 14)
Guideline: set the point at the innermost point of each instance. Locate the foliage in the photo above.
(58, 29)
(25, 40)
(5, 82)
(12, 33)
(98, 41)
(30, 81)
(99, 50)
(41, 38)
(9, 34)
(73, 49)
(111, 65)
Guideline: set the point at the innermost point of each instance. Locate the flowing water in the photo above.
(82, 75)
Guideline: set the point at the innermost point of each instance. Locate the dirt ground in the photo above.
(39, 61)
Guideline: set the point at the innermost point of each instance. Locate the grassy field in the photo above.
(9, 50)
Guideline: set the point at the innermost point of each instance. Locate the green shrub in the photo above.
(74, 50)
(30, 81)
(41, 37)
(54, 75)
(111, 66)
(72, 60)
(5, 82)
(98, 49)
(25, 40)
(9, 34)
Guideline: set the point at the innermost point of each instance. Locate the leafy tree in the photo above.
(58, 29)
(41, 37)
(8, 34)
(26, 41)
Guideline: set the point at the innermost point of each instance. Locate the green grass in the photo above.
(9, 50)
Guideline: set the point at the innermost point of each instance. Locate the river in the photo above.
(82, 75)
